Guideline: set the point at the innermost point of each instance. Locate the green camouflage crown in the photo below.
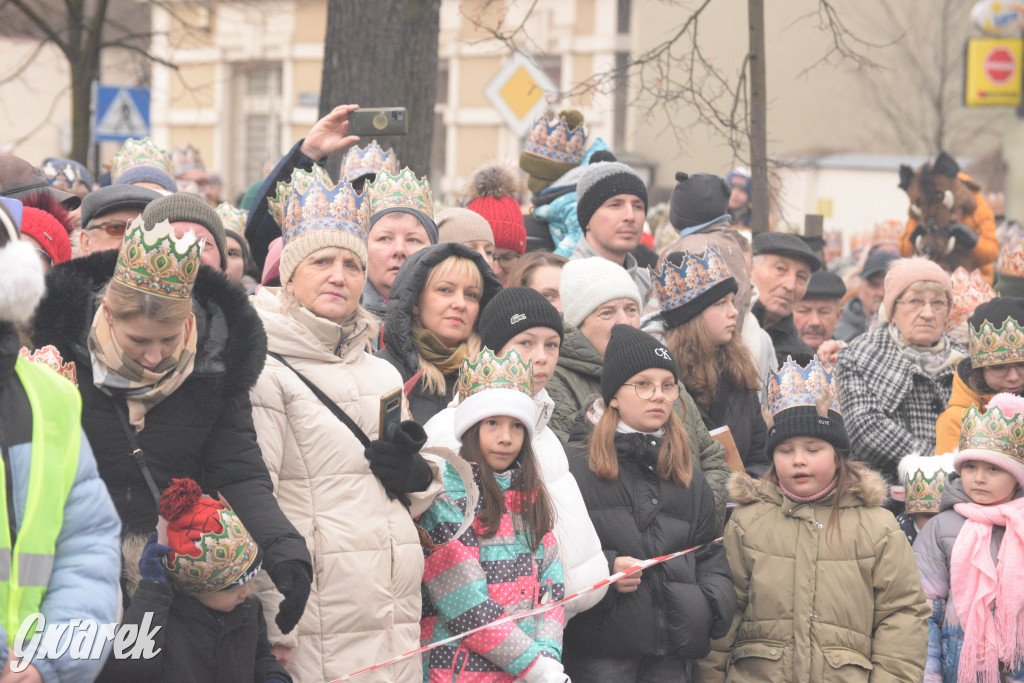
(991, 345)
(399, 191)
(156, 262)
(491, 371)
(993, 431)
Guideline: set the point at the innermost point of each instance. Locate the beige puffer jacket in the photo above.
(811, 611)
(364, 604)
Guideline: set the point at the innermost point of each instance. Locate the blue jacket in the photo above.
(87, 558)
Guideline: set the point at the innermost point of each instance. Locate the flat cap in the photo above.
(877, 264)
(825, 284)
(784, 244)
(115, 198)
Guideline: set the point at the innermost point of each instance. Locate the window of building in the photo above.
(257, 111)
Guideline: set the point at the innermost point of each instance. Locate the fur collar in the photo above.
(870, 491)
(232, 343)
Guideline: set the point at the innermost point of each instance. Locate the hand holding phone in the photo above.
(390, 412)
(377, 122)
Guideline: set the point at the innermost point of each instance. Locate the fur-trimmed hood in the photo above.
(231, 345)
(871, 490)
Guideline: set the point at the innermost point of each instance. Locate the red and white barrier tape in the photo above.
(639, 566)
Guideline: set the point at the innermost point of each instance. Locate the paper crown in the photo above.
(695, 274)
(492, 371)
(399, 191)
(924, 479)
(993, 431)
(210, 547)
(793, 386)
(232, 218)
(185, 159)
(970, 290)
(62, 173)
(310, 201)
(50, 356)
(142, 152)
(555, 139)
(1011, 259)
(887, 232)
(360, 161)
(991, 345)
(156, 262)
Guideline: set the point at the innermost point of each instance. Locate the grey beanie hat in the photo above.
(147, 174)
(191, 208)
(113, 198)
(602, 181)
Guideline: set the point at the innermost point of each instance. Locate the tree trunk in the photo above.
(758, 119)
(383, 53)
(82, 78)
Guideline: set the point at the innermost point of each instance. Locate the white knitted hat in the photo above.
(590, 282)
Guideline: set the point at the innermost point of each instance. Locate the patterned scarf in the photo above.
(436, 353)
(117, 375)
(931, 359)
(980, 588)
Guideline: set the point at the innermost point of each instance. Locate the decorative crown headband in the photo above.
(924, 479)
(991, 345)
(232, 218)
(793, 386)
(993, 431)
(399, 190)
(887, 231)
(492, 371)
(61, 175)
(157, 262)
(1011, 259)
(185, 160)
(557, 139)
(970, 290)
(696, 274)
(310, 201)
(142, 152)
(49, 355)
(372, 159)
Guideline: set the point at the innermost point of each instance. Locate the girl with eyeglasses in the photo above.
(631, 458)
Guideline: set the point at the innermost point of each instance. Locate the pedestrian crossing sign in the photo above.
(121, 113)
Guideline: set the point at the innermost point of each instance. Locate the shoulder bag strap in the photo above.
(328, 403)
(137, 455)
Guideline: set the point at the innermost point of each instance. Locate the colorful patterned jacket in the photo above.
(470, 581)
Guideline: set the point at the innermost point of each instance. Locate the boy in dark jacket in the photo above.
(211, 627)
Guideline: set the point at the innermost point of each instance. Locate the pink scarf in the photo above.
(980, 587)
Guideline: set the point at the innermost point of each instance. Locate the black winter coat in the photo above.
(203, 431)
(398, 348)
(197, 643)
(682, 604)
(785, 338)
(261, 229)
(741, 411)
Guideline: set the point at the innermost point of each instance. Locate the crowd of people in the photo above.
(338, 429)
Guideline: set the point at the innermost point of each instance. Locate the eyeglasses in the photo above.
(507, 259)
(112, 228)
(1001, 371)
(46, 259)
(915, 305)
(646, 390)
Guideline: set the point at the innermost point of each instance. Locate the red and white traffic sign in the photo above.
(999, 65)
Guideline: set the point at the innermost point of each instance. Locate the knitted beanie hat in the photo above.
(514, 310)
(552, 149)
(463, 226)
(906, 272)
(190, 208)
(47, 221)
(493, 192)
(600, 182)
(803, 402)
(698, 199)
(147, 174)
(739, 176)
(995, 436)
(210, 547)
(493, 384)
(590, 282)
(629, 352)
(689, 283)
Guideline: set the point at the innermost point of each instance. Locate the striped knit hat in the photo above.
(601, 182)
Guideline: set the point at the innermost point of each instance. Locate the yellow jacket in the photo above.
(947, 427)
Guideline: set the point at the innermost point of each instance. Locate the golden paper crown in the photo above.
(970, 290)
(399, 191)
(492, 371)
(556, 139)
(142, 152)
(360, 161)
(157, 262)
(49, 355)
(994, 430)
(232, 218)
(185, 160)
(695, 274)
(887, 232)
(991, 345)
(794, 386)
(1011, 259)
(924, 479)
(310, 201)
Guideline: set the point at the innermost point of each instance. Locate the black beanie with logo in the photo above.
(629, 352)
(514, 310)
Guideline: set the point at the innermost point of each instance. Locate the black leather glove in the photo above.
(292, 579)
(965, 237)
(396, 462)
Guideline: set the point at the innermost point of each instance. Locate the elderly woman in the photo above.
(316, 407)
(895, 381)
(431, 323)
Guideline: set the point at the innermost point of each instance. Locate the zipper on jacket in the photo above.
(661, 621)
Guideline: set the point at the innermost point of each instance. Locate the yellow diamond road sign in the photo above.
(520, 91)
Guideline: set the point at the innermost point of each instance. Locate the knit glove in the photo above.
(292, 579)
(150, 567)
(396, 462)
(545, 670)
(965, 237)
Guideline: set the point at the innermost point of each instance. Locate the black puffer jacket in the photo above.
(398, 348)
(682, 604)
(203, 431)
(741, 411)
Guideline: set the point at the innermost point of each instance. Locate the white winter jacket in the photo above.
(583, 561)
(364, 604)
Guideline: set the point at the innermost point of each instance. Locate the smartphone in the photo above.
(390, 411)
(373, 122)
